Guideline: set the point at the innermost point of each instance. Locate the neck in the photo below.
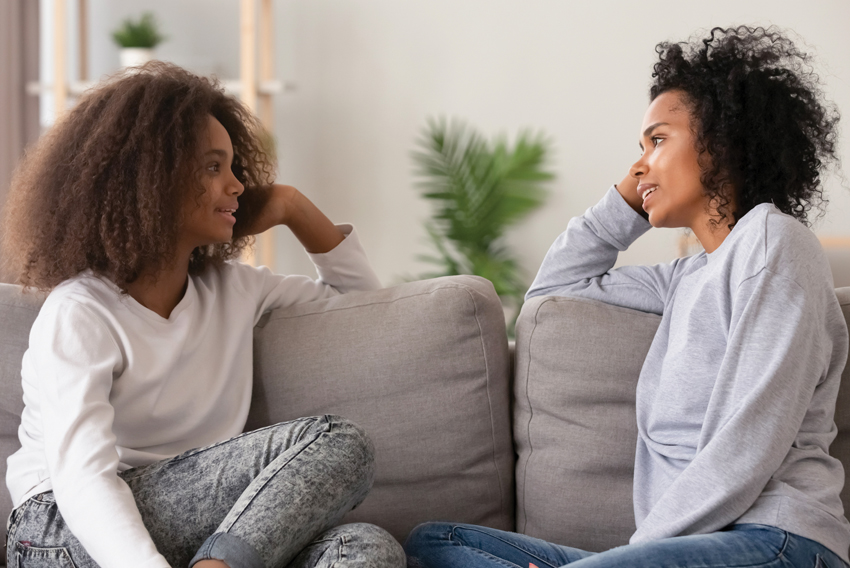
(711, 235)
(162, 291)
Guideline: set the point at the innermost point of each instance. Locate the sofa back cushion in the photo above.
(423, 367)
(577, 365)
(17, 313)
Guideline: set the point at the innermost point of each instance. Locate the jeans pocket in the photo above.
(36, 557)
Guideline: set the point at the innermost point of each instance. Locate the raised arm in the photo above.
(580, 262)
(335, 250)
(285, 205)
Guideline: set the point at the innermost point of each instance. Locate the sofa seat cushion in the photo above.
(423, 367)
(577, 365)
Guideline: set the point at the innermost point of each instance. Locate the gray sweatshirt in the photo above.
(736, 396)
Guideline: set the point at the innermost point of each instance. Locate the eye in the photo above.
(214, 167)
(656, 140)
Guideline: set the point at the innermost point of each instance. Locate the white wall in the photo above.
(369, 72)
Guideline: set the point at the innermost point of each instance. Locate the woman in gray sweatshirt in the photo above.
(736, 396)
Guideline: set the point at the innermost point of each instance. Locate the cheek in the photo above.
(683, 169)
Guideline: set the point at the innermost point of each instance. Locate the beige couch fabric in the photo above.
(577, 365)
(423, 367)
(17, 313)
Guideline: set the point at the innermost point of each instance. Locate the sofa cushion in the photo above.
(18, 313)
(577, 365)
(423, 367)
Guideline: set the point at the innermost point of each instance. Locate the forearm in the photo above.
(580, 261)
(310, 226)
(265, 207)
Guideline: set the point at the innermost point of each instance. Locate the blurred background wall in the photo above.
(19, 118)
(364, 75)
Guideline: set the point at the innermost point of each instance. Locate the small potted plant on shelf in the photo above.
(137, 40)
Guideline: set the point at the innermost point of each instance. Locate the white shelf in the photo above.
(231, 87)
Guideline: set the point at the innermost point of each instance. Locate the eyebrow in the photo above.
(217, 152)
(650, 128)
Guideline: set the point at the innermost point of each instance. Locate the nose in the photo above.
(235, 186)
(638, 169)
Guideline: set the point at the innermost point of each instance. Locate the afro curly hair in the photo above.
(762, 128)
(105, 188)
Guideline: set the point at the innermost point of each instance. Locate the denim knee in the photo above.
(354, 446)
(427, 534)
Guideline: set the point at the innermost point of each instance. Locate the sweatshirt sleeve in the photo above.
(580, 262)
(344, 269)
(74, 359)
(778, 351)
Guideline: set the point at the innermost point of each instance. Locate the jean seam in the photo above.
(267, 481)
(13, 528)
(533, 554)
(36, 498)
(199, 451)
(63, 549)
(304, 432)
(784, 545)
(341, 554)
(205, 549)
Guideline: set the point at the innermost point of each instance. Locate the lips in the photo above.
(645, 189)
(227, 212)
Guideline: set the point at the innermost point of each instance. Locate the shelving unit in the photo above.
(256, 86)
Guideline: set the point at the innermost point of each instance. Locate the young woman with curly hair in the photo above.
(137, 380)
(736, 396)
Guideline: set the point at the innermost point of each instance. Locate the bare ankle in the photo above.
(210, 564)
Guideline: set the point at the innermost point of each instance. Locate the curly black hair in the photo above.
(764, 132)
(105, 188)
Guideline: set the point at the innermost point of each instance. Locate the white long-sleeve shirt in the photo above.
(736, 397)
(110, 385)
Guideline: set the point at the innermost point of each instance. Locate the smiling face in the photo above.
(209, 218)
(668, 171)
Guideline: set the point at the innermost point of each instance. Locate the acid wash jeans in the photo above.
(444, 545)
(265, 499)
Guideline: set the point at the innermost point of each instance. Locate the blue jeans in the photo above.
(445, 545)
(268, 498)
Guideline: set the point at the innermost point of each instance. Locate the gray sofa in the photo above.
(541, 442)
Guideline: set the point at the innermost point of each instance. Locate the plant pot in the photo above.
(134, 56)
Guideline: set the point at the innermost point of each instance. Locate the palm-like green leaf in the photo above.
(479, 190)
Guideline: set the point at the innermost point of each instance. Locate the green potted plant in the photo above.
(480, 189)
(137, 40)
